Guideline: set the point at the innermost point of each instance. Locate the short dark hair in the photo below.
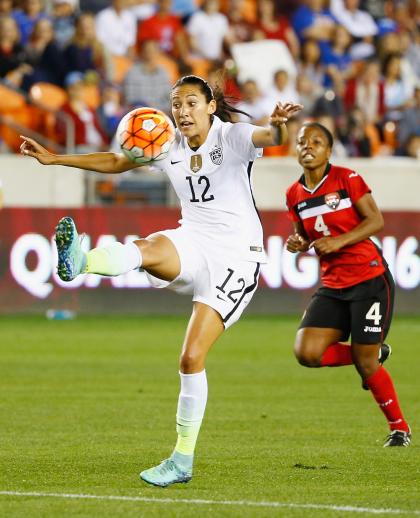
(324, 130)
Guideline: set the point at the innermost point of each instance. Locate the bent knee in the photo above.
(307, 355)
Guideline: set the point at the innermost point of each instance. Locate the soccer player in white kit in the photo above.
(216, 252)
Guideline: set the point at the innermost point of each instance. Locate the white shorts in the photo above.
(210, 276)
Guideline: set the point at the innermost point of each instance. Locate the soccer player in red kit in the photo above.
(333, 211)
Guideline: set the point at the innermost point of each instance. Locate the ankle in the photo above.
(183, 461)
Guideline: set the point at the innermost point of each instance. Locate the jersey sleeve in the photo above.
(291, 214)
(356, 186)
(239, 139)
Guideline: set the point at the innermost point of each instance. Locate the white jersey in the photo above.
(213, 184)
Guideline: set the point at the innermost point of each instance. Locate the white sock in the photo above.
(114, 259)
(191, 407)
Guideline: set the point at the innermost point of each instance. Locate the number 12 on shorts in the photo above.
(237, 284)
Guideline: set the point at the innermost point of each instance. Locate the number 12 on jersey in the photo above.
(204, 194)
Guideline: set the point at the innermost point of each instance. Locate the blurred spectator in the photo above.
(6, 7)
(409, 123)
(412, 147)
(392, 43)
(26, 18)
(283, 89)
(64, 20)
(89, 135)
(313, 20)
(116, 29)
(397, 92)
(272, 26)
(13, 66)
(329, 103)
(355, 138)
(255, 104)
(147, 83)
(208, 29)
(110, 111)
(337, 59)
(141, 9)
(240, 28)
(166, 28)
(184, 9)
(44, 55)
(308, 92)
(360, 24)
(338, 150)
(366, 91)
(84, 52)
(310, 62)
(410, 47)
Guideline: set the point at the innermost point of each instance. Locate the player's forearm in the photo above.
(109, 163)
(279, 134)
(367, 228)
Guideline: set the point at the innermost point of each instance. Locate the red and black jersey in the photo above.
(328, 210)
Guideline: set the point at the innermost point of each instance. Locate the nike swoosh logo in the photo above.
(177, 162)
(221, 298)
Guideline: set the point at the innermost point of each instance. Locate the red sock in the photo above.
(384, 393)
(336, 355)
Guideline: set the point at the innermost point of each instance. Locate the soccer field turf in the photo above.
(87, 404)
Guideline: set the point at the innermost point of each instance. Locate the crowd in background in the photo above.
(357, 62)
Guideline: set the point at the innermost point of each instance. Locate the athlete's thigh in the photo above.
(160, 256)
(227, 286)
(371, 313)
(327, 313)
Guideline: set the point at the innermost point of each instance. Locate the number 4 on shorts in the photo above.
(373, 313)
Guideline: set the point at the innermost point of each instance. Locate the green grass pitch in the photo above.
(86, 404)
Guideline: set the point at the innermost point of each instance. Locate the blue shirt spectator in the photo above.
(27, 18)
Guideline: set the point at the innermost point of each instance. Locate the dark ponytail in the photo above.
(224, 110)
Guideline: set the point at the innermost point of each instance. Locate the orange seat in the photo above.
(48, 95)
(10, 100)
(120, 66)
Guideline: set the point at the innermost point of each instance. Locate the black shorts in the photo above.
(363, 311)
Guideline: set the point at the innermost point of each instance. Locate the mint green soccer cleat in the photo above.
(71, 258)
(167, 473)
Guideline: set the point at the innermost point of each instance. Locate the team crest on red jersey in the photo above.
(332, 200)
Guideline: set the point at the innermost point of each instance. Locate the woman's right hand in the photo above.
(30, 147)
(296, 243)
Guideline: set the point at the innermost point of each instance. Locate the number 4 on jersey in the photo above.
(321, 227)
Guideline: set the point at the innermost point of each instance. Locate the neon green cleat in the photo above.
(167, 473)
(71, 258)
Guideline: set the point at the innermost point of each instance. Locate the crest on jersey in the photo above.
(196, 163)
(332, 200)
(216, 155)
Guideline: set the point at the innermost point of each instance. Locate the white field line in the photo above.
(192, 501)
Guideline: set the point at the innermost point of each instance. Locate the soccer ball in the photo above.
(145, 135)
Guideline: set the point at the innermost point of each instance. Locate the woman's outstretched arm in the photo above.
(106, 162)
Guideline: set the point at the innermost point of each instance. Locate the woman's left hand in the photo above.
(327, 245)
(283, 112)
